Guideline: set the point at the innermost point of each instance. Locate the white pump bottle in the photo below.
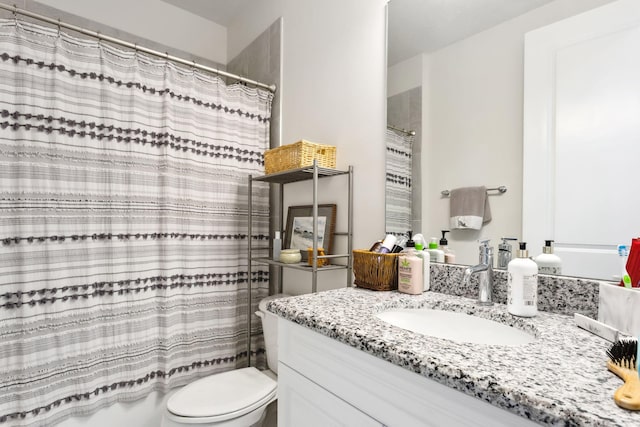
(548, 262)
(522, 281)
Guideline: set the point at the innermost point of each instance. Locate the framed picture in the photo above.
(299, 230)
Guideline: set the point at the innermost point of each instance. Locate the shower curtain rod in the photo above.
(408, 132)
(134, 46)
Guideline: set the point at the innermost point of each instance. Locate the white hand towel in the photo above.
(469, 208)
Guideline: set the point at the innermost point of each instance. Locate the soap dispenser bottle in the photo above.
(548, 262)
(418, 240)
(449, 254)
(522, 282)
(409, 246)
(435, 254)
(504, 252)
(416, 248)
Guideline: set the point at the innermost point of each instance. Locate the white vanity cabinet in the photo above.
(308, 404)
(322, 382)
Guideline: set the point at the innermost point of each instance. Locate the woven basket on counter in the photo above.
(298, 155)
(378, 272)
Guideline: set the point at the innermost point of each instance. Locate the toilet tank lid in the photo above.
(233, 392)
(262, 305)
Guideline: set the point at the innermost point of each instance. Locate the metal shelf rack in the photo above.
(313, 173)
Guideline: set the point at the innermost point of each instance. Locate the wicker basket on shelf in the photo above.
(298, 155)
(378, 272)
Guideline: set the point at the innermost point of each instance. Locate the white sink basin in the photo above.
(460, 327)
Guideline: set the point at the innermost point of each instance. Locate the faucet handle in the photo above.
(484, 243)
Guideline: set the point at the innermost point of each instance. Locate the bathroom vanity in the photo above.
(340, 364)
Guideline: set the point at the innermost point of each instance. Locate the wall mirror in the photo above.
(567, 207)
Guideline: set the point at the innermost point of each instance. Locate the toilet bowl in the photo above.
(237, 398)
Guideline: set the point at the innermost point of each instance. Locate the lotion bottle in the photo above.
(416, 248)
(410, 280)
(409, 247)
(426, 270)
(548, 262)
(449, 254)
(418, 242)
(435, 254)
(522, 282)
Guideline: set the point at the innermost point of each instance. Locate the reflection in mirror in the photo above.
(581, 127)
(403, 179)
(398, 189)
(473, 124)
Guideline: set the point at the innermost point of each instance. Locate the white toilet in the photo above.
(237, 398)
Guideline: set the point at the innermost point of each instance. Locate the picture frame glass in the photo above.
(299, 228)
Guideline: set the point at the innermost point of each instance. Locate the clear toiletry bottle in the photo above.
(277, 246)
(522, 282)
(449, 254)
(548, 262)
(504, 252)
(435, 254)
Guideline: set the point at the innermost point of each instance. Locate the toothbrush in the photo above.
(623, 357)
(623, 251)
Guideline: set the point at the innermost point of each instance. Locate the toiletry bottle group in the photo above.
(385, 246)
(522, 283)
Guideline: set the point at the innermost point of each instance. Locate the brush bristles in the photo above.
(624, 352)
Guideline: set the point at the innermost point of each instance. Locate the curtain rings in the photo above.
(59, 27)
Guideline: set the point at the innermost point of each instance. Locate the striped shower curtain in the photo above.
(398, 182)
(123, 209)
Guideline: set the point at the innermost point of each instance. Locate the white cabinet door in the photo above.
(322, 382)
(582, 137)
(303, 403)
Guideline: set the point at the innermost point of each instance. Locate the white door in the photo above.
(582, 138)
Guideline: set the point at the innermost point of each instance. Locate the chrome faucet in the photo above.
(485, 274)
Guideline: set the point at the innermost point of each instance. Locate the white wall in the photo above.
(154, 20)
(472, 124)
(405, 75)
(333, 92)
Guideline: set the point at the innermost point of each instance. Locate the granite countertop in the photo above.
(559, 379)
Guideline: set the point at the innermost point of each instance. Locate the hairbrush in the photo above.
(623, 359)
